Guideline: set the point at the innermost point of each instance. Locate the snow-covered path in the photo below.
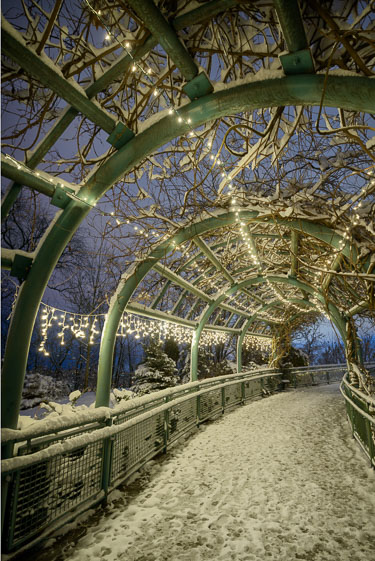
(280, 479)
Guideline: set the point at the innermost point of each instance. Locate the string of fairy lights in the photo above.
(252, 342)
(86, 326)
(86, 329)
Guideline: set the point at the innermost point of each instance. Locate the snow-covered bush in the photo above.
(156, 373)
(294, 358)
(67, 409)
(38, 388)
(117, 396)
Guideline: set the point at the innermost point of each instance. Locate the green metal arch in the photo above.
(333, 311)
(248, 323)
(131, 279)
(352, 93)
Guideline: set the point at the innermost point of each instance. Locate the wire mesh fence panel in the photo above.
(42, 492)
(181, 392)
(318, 378)
(210, 404)
(52, 489)
(233, 395)
(181, 419)
(272, 383)
(361, 426)
(336, 375)
(302, 379)
(137, 444)
(252, 389)
(124, 416)
(44, 442)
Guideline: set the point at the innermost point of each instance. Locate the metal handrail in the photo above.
(134, 406)
(120, 442)
(347, 398)
(361, 416)
(12, 464)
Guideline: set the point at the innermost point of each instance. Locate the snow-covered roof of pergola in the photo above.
(231, 141)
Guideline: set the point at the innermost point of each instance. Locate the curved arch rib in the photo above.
(352, 93)
(131, 279)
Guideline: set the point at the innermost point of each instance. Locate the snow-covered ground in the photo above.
(279, 480)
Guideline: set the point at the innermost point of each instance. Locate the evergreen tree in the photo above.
(225, 368)
(157, 372)
(171, 349)
(205, 365)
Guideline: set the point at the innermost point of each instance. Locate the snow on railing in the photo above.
(46, 485)
(135, 406)
(59, 471)
(360, 410)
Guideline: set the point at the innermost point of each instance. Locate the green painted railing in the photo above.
(66, 466)
(360, 409)
(315, 375)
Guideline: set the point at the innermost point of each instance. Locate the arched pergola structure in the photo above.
(303, 78)
(133, 277)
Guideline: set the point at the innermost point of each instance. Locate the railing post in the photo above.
(198, 407)
(9, 524)
(107, 461)
(327, 375)
(243, 393)
(351, 411)
(166, 426)
(222, 400)
(371, 447)
(6, 452)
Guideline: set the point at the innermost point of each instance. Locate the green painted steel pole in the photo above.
(48, 141)
(7, 258)
(166, 36)
(353, 93)
(209, 10)
(26, 309)
(207, 251)
(137, 273)
(336, 316)
(291, 23)
(15, 47)
(10, 197)
(119, 67)
(170, 275)
(195, 341)
(16, 172)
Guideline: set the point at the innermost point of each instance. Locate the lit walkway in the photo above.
(280, 479)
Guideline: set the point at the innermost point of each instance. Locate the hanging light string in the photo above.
(85, 328)
(79, 327)
(145, 69)
(258, 343)
(148, 73)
